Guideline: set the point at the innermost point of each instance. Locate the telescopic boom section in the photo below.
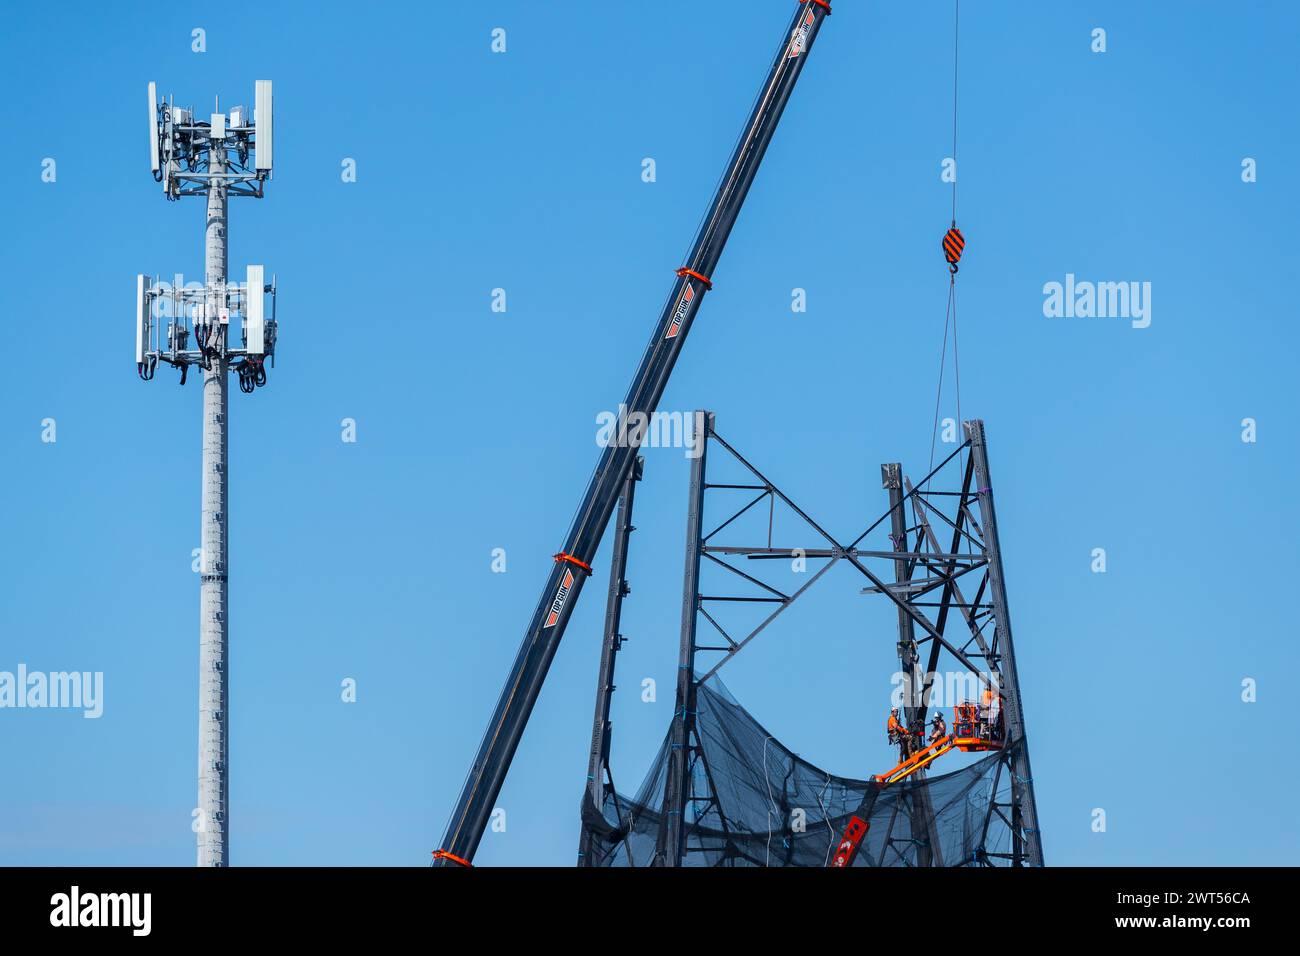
(573, 563)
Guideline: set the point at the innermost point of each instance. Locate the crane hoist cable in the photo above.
(953, 244)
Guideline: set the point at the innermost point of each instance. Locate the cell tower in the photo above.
(193, 157)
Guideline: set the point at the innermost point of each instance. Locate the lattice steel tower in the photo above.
(211, 158)
(723, 791)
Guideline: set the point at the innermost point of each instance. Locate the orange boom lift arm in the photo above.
(967, 739)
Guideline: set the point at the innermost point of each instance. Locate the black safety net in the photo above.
(751, 801)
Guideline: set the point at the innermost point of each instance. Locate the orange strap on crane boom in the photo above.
(821, 3)
(563, 558)
(445, 855)
(683, 271)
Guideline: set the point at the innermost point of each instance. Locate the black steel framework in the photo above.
(951, 591)
(685, 751)
(564, 584)
(927, 851)
(600, 779)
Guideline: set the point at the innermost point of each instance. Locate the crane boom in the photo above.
(573, 563)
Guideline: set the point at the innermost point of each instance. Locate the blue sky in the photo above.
(476, 429)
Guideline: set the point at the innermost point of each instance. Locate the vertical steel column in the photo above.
(1028, 847)
(909, 659)
(892, 478)
(214, 743)
(672, 832)
(598, 763)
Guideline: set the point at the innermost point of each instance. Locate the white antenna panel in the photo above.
(255, 311)
(153, 127)
(262, 125)
(143, 316)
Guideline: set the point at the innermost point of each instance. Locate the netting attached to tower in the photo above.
(754, 802)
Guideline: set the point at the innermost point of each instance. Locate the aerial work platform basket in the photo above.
(977, 729)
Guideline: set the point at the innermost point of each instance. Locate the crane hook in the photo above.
(953, 243)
